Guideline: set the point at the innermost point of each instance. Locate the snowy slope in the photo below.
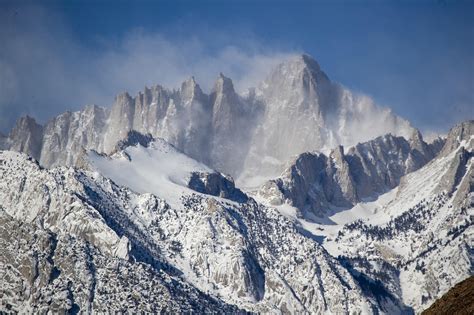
(237, 253)
(206, 240)
(159, 169)
(66, 246)
(415, 241)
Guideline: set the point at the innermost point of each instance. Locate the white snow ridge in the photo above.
(339, 205)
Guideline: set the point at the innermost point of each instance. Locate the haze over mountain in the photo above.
(250, 136)
(416, 58)
(339, 205)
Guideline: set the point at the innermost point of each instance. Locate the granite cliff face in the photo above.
(68, 246)
(26, 137)
(296, 109)
(314, 183)
(420, 236)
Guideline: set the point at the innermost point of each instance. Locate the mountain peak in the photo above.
(223, 84)
(26, 123)
(295, 71)
(124, 96)
(310, 62)
(416, 139)
(302, 62)
(458, 135)
(191, 81)
(190, 89)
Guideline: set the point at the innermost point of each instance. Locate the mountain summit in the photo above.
(297, 108)
(357, 213)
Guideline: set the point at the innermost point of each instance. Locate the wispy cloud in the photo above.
(45, 70)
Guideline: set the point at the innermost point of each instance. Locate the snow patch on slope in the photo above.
(159, 169)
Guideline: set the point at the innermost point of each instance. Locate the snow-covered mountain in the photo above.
(79, 227)
(68, 244)
(186, 229)
(252, 136)
(339, 207)
(413, 242)
(316, 184)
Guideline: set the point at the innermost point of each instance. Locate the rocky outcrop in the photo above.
(316, 183)
(66, 135)
(459, 174)
(456, 170)
(120, 121)
(216, 184)
(458, 300)
(26, 137)
(134, 138)
(233, 120)
(461, 133)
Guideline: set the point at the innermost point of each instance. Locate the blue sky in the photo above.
(416, 57)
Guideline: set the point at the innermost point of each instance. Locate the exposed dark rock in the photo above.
(216, 184)
(459, 300)
(134, 138)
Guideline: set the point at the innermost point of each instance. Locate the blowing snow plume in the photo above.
(249, 136)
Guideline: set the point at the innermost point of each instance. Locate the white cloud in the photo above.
(45, 70)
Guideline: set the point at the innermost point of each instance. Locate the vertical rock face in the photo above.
(420, 152)
(315, 182)
(150, 108)
(193, 121)
(461, 140)
(26, 137)
(379, 164)
(120, 120)
(66, 135)
(296, 109)
(232, 123)
(295, 97)
(340, 173)
(461, 133)
(456, 171)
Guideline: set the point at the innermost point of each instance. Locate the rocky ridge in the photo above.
(315, 183)
(419, 242)
(144, 220)
(78, 227)
(296, 109)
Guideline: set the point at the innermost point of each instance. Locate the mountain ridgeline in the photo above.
(339, 206)
(294, 110)
(315, 183)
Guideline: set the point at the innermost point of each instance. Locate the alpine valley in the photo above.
(339, 206)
